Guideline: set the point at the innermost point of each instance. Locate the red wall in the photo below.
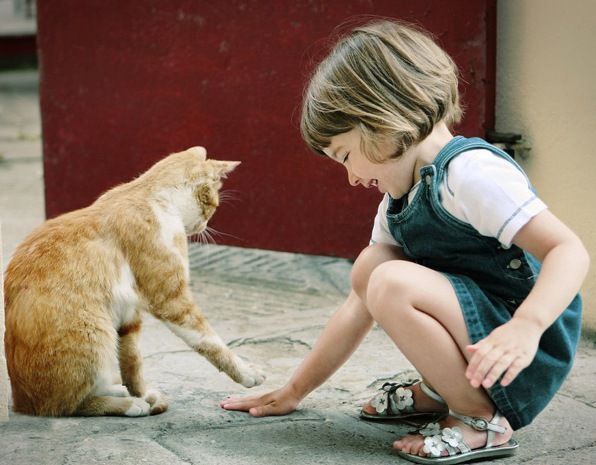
(123, 83)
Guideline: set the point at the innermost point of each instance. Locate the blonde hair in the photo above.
(387, 79)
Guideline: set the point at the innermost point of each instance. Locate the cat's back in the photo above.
(64, 264)
(56, 246)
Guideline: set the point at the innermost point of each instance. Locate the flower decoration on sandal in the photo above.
(447, 446)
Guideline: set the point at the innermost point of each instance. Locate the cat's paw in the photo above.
(138, 408)
(250, 376)
(157, 401)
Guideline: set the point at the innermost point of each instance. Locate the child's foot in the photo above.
(403, 400)
(452, 436)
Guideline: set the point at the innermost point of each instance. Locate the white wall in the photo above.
(546, 89)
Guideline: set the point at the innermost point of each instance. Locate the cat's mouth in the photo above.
(198, 228)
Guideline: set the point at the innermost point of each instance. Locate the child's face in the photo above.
(395, 176)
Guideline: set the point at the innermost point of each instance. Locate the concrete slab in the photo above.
(270, 307)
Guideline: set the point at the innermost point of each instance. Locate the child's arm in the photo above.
(511, 347)
(341, 336)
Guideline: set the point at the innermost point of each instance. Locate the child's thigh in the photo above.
(406, 286)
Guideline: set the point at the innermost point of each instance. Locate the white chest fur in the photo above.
(124, 298)
(171, 226)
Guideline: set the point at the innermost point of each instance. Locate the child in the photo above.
(469, 274)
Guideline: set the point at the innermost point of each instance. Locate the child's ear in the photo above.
(222, 168)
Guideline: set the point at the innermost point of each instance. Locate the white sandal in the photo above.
(438, 440)
(395, 402)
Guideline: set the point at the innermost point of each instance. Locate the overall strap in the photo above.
(460, 144)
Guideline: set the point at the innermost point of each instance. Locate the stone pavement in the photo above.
(269, 307)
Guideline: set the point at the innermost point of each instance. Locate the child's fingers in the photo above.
(272, 409)
(481, 364)
(238, 405)
(472, 348)
(514, 369)
(479, 352)
(234, 400)
(242, 403)
(497, 370)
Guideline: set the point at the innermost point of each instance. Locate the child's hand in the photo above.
(279, 402)
(506, 351)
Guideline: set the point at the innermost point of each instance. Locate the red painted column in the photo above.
(123, 83)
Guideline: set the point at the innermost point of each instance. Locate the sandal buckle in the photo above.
(479, 424)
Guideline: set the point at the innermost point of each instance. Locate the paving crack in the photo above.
(158, 440)
(256, 341)
(283, 334)
(569, 396)
(159, 354)
(564, 450)
(261, 421)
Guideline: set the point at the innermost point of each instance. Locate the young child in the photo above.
(468, 272)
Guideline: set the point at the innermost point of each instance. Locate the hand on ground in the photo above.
(279, 402)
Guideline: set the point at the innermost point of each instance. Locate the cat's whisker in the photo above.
(210, 236)
(228, 196)
(204, 237)
(220, 233)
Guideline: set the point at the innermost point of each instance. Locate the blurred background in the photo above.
(124, 83)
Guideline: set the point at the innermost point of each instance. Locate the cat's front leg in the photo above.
(199, 335)
(131, 368)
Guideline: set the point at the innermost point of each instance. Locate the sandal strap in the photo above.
(431, 393)
(480, 424)
(388, 398)
(438, 440)
(392, 386)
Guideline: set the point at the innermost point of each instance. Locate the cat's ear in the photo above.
(200, 151)
(222, 168)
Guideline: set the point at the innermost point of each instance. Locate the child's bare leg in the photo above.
(417, 307)
(368, 260)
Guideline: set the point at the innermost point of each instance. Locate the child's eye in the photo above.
(346, 157)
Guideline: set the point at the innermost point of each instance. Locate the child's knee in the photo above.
(367, 262)
(364, 265)
(388, 283)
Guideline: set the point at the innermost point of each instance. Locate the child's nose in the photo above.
(353, 180)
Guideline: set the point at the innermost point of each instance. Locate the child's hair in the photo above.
(388, 79)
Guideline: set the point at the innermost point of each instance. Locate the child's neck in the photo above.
(427, 150)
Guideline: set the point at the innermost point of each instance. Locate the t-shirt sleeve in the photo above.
(380, 232)
(491, 194)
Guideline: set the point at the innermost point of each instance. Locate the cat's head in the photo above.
(190, 183)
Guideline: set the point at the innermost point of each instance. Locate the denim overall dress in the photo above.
(490, 283)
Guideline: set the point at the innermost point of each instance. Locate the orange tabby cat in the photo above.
(75, 289)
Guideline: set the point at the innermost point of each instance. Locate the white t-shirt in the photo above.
(481, 189)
